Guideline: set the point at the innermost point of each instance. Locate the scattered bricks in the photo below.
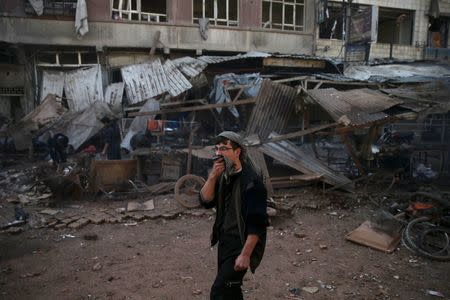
(78, 224)
(137, 216)
(152, 215)
(61, 225)
(52, 223)
(197, 213)
(169, 216)
(98, 218)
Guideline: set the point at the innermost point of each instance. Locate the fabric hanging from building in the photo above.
(83, 87)
(81, 19)
(52, 83)
(434, 9)
(38, 6)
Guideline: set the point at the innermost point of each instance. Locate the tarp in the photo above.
(38, 6)
(219, 92)
(81, 19)
(79, 126)
(48, 111)
(139, 123)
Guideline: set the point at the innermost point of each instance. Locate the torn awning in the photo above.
(83, 87)
(360, 106)
(190, 66)
(144, 81)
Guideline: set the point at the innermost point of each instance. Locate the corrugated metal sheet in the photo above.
(360, 106)
(274, 104)
(190, 66)
(52, 83)
(220, 59)
(294, 157)
(83, 87)
(177, 82)
(424, 95)
(144, 81)
(114, 93)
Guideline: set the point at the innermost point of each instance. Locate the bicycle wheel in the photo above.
(187, 190)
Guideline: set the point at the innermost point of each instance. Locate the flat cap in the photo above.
(232, 136)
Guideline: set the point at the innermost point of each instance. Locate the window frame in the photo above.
(215, 20)
(129, 12)
(283, 25)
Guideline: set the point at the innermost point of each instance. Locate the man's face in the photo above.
(226, 150)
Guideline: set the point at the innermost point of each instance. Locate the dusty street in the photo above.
(171, 259)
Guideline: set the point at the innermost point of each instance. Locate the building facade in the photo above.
(39, 36)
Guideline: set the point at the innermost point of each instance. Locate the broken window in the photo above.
(54, 8)
(395, 26)
(333, 25)
(219, 12)
(66, 58)
(139, 10)
(283, 14)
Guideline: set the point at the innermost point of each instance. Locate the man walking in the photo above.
(239, 195)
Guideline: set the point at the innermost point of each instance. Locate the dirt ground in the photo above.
(171, 259)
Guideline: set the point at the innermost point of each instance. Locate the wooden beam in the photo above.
(293, 62)
(193, 108)
(294, 134)
(169, 104)
(346, 141)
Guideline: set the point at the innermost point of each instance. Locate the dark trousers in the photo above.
(228, 282)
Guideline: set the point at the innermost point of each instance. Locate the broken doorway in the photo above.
(395, 26)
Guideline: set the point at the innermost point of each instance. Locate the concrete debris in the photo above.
(311, 290)
(49, 211)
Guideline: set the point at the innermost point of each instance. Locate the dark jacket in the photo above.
(252, 211)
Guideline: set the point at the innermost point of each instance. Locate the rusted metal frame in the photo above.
(318, 85)
(345, 140)
(295, 134)
(194, 108)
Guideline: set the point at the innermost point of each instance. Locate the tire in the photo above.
(187, 190)
(411, 241)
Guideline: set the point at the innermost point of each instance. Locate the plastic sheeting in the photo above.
(81, 19)
(219, 93)
(38, 6)
(48, 111)
(139, 123)
(79, 126)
